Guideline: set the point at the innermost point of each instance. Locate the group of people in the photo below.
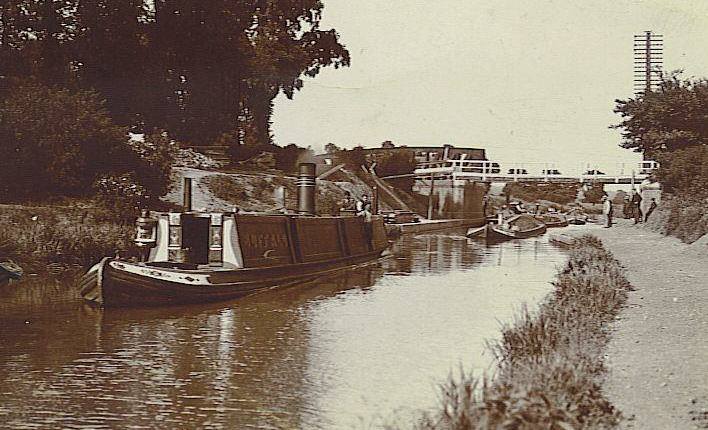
(361, 207)
(632, 208)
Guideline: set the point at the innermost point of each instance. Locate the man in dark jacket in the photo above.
(637, 206)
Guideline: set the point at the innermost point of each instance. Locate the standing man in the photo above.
(637, 206)
(363, 208)
(607, 211)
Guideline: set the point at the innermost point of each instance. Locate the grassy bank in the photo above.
(58, 238)
(682, 217)
(549, 362)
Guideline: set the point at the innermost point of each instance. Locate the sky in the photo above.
(529, 81)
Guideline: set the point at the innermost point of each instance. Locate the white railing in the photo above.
(543, 171)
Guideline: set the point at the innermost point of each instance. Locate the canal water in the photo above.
(362, 349)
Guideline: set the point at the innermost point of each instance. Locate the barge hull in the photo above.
(109, 286)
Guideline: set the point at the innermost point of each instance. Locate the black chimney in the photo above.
(187, 196)
(306, 189)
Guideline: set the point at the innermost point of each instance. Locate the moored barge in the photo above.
(193, 257)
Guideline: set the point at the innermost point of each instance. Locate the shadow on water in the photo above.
(331, 353)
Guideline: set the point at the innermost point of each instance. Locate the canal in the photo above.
(362, 349)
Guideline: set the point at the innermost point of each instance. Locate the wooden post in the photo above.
(375, 201)
(430, 196)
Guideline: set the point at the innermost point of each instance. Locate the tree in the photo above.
(62, 145)
(331, 148)
(354, 158)
(684, 172)
(397, 162)
(673, 117)
(111, 48)
(287, 45)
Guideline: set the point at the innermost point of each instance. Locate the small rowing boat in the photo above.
(9, 271)
(517, 227)
(552, 220)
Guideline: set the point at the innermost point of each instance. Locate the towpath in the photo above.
(658, 353)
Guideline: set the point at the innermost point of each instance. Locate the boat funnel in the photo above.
(187, 196)
(306, 189)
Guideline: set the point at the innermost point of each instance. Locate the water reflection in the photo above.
(336, 353)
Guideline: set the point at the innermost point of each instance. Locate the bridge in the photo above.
(491, 171)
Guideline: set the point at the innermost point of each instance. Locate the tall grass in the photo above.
(549, 362)
(54, 238)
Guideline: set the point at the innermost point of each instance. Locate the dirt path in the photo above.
(658, 355)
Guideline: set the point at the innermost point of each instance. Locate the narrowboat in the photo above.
(194, 257)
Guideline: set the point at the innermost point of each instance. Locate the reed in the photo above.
(549, 362)
(56, 239)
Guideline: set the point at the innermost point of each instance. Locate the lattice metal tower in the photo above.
(648, 60)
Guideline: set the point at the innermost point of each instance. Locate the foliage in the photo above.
(190, 158)
(63, 144)
(159, 152)
(595, 193)
(120, 196)
(550, 191)
(195, 68)
(684, 172)
(549, 363)
(353, 158)
(673, 117)
(685, 219)
(397, 162)
(39, 237)
(286, 158)
(331, 148)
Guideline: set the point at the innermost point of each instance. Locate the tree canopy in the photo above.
(195, 68)
(671, 118)
(58, 142)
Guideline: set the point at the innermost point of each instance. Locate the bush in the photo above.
(594, 194)
(58, 142)
(397, 162)
(684, 172)
(552, 192)
(120, 197)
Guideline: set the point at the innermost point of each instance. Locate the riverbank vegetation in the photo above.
(669, 125)
(560, 193)
(549, 362)
(58, 239)
(683, 175)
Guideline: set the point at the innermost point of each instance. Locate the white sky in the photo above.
(526, 80)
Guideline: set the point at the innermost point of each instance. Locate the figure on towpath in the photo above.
(607, 211)
(637, 206)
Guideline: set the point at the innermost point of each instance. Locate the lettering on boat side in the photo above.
(266, 241)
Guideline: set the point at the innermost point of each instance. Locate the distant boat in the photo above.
(576, 217)
(553, 219)
(515, 227)
(9, 271)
